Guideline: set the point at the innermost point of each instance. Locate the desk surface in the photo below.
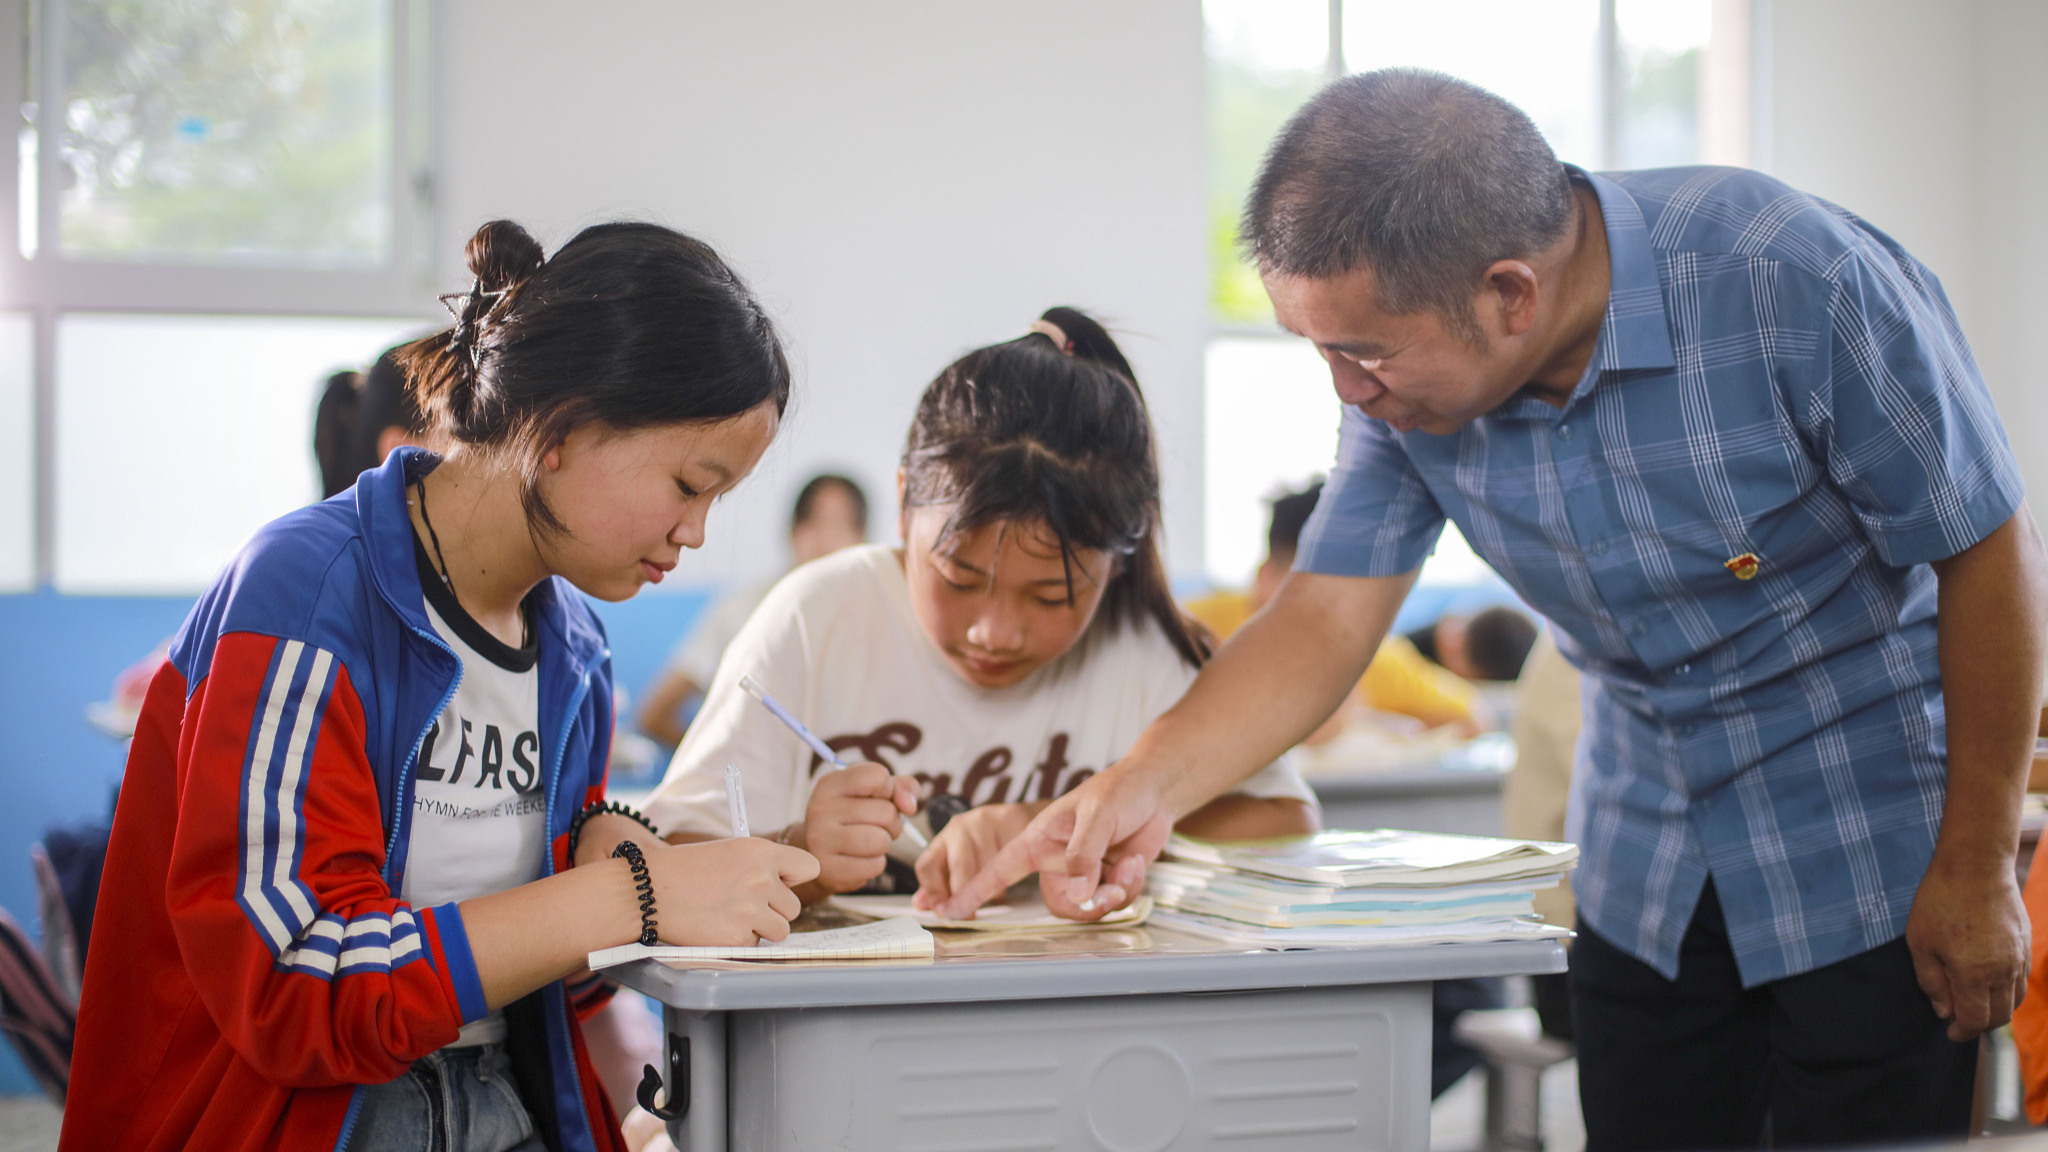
(1097, 962)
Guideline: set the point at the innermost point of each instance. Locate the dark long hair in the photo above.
(335, 420)
(634, 325)
(1027, 431)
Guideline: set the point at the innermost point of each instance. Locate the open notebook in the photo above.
(1024, 917)
(901, 938)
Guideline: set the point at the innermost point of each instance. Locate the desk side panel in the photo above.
(1293, 1070)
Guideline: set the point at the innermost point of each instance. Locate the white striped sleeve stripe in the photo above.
(289, 815)
(372, 942)
(255, 806)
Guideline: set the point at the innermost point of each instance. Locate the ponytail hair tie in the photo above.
(469, 309)
(1055, 333)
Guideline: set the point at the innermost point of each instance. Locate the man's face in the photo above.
(1412, 371)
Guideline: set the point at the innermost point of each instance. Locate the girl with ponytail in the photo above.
(362, 839)
(1017, 642)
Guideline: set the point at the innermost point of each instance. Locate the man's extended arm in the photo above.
(1968, 930)
(1273, 683)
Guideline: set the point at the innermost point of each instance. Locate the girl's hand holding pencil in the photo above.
(853, 817)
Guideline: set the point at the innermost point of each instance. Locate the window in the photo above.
(1610, 83)
(218, 203)
(158, 484)
(196, 132)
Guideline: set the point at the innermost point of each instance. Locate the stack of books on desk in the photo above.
(1383, 886)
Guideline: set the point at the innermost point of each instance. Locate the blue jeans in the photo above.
(454, 1100)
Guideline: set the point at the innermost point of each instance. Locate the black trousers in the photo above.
(1845, 1054)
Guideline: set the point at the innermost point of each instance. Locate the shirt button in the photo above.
(1564, 430)
(1684, 668)
(1598, 548)
(1638, 628)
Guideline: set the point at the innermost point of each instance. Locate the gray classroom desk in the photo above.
(1125, 1040)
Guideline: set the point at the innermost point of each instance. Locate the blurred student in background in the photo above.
(361, 418)
(1491, 645)
(1399, 679)
(831, 513)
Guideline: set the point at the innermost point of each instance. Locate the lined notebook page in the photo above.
(901, 938)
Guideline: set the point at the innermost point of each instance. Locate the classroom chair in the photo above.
(37, 1018)
(1515, 1051)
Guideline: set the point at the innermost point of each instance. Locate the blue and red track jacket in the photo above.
(258, 967)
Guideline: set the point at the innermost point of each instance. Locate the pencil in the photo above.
(753, 688)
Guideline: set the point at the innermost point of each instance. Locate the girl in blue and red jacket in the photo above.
(361, 841)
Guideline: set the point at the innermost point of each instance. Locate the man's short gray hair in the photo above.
(1422, 178)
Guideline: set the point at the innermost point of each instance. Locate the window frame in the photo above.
(48, 285)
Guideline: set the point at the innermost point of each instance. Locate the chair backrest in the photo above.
(60, 937)
(38, 1020)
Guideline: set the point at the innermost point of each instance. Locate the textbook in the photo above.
(1337, 888)
(1024, 917)
(1290, 895)
(901, 938)
(1382, 857)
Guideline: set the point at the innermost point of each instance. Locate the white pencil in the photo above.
(736, 806)
(753, 688)
(736, 800)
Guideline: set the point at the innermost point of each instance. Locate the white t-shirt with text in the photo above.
(478, 809)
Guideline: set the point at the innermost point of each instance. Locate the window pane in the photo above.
(1269, 423)
(1544, 58)
(1265, 58)
(1663, 44)
(17, 453)
(178, 436)
(256, 132)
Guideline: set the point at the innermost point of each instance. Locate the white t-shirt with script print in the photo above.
(836, 643)
(478, 822)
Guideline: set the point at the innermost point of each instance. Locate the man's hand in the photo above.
(1969, 938)
(1114, 823)
(853, 817)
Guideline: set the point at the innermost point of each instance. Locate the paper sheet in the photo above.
(1031, 917)
(899, 938)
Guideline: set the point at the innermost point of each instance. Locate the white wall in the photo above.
(1926, 117)
(900, 182)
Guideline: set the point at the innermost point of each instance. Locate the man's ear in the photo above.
(1511, 292)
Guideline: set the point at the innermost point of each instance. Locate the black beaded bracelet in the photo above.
(600, 807)
(643, 883)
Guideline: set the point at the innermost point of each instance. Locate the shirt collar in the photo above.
(1635, 332)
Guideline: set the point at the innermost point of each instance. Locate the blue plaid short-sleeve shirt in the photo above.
(1780, 389)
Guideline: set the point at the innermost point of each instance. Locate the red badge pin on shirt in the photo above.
(1744, 566)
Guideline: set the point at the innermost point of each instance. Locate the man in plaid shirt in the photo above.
(1729, 438)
